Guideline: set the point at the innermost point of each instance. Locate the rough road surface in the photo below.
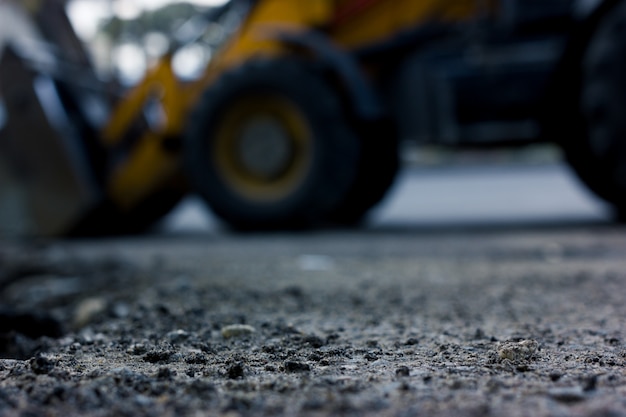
(501, 323)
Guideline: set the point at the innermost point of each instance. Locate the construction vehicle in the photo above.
(296, 120)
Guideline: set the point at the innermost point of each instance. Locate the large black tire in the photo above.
(597, 151)
(377, 170)
(269, 148)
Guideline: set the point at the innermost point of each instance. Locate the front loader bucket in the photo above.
(45, 180)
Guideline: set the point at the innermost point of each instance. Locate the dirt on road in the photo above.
(500, 323)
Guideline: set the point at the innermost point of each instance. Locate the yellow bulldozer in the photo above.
(297, 118)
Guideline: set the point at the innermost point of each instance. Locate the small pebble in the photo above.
(196, 358)
(567, 395)
(88, 310)
(178, 336)
(517, 351)
(237, 330)
(142, 400)
(314, 341)
(480, 334)
(236, 371)
(137, 349)
(41, 364)
(120, 310)
(403, 371)
(555, 376)
(158, 356)
(293, 366)
(590, 383)
(165, 373)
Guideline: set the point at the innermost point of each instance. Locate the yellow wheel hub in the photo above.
(263, 147)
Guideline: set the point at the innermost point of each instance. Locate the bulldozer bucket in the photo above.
(45, 182)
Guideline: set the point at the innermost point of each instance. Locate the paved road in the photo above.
(473, 312)
(514, 321)
(458, 197)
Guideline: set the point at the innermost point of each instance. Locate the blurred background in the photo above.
(122, 40)
(125, 37)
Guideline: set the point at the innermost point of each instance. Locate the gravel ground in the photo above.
(515, 323)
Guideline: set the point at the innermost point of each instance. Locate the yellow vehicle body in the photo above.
(348, 24)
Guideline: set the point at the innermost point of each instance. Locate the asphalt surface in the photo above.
(518, 317)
